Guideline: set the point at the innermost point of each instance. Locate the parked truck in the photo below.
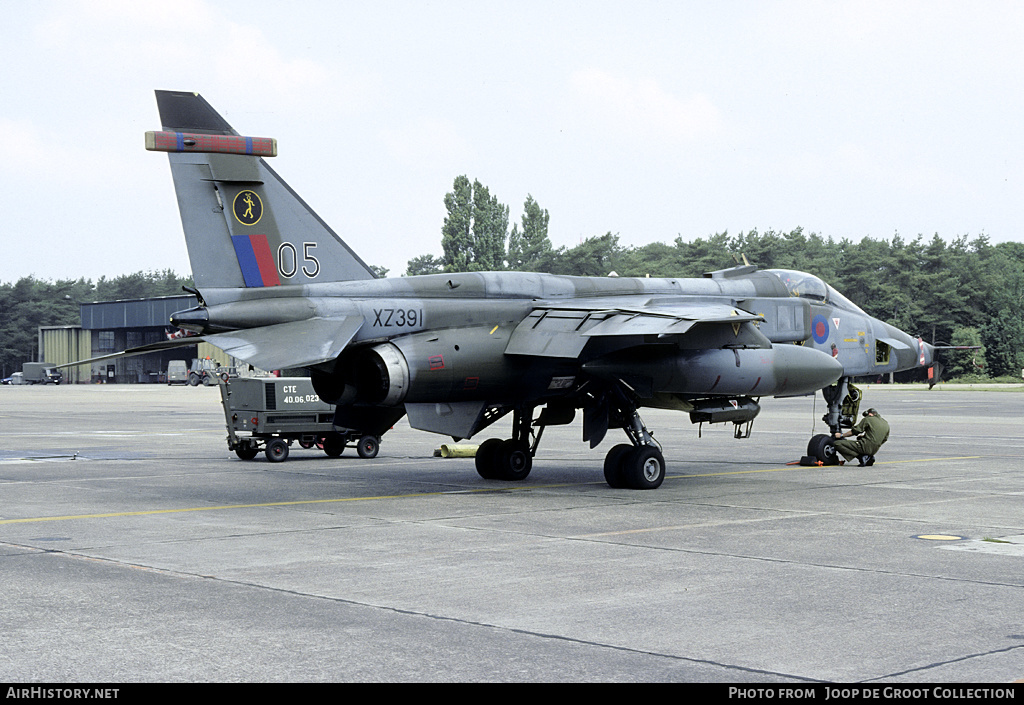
(41, 373)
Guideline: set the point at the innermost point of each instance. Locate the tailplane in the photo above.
(244, 226)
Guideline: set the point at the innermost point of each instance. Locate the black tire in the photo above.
(643, 468)
(513, 461)
(334, 446)
(277, 451)
(613, 465)
(193, 380)
(246, 452)
(486, 455)
(368, 447)
(823, 448)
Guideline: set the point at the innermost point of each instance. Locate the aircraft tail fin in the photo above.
(244, 226)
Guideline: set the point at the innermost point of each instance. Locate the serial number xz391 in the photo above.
(401, 317)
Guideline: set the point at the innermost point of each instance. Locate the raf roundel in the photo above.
(248, 207)
(819, 329)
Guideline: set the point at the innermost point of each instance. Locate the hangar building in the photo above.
(111, 326)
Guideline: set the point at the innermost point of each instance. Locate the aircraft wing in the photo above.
(563, 329)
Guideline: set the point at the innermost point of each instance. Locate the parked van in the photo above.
(177, 372)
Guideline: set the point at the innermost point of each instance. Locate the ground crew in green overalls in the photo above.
(871, 432)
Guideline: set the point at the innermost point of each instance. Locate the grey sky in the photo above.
(647, 119)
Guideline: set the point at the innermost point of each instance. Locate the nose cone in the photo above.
(803, 370)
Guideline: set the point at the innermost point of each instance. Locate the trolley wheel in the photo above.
(334, 446)
(246, 452)
(368, 447)
(277, 451)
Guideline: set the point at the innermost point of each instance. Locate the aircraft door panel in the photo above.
(785, 320)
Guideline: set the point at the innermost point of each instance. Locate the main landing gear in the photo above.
(638, 465)
(512, 459)
(634, 467)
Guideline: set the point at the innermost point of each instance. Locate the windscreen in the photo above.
(808, 286)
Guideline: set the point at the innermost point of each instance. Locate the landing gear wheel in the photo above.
(277, 451)
(823, 448)
(513, 461)
(334, 446)
(485, 457)
(613, 465)
(246, 452)
(368, 447)
(643, 468)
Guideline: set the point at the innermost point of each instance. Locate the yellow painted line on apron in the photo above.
(301, 502)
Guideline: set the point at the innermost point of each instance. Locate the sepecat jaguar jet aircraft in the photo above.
(278, 288)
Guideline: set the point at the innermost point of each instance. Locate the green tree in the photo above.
(475, 230)
(530, 248)
(1003, 334)
(490, 230)
(656, 260)
(965, 362)
(456, 233)
(424, 264)
(701, 256)
(594, 257)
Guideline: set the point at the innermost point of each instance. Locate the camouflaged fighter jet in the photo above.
(278, 288)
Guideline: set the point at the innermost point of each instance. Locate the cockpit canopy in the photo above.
(808, 286)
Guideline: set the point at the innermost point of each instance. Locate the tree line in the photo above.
(963, 292)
